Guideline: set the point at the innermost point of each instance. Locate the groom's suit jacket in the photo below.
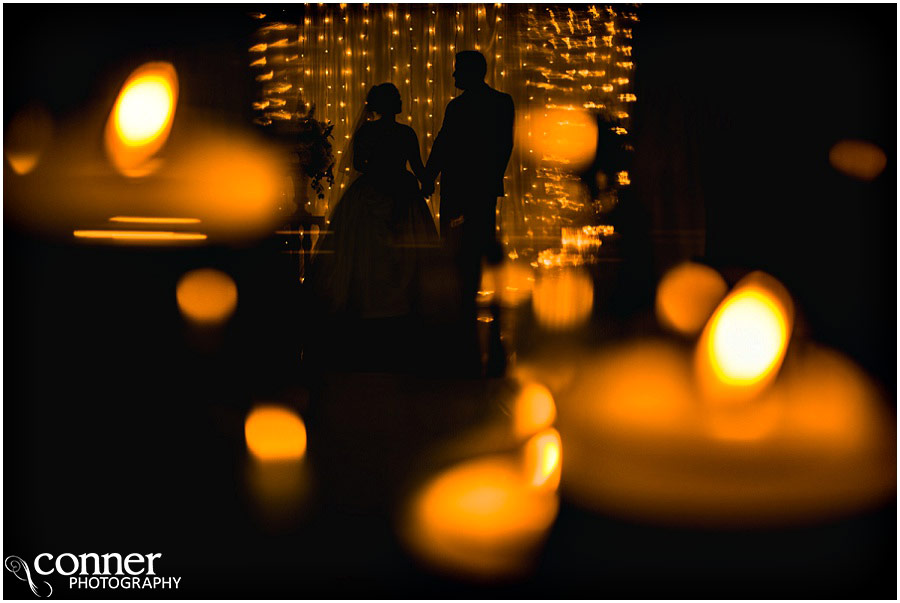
(473, 147)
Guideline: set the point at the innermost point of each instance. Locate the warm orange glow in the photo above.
(568, 137)
(141, 118)
(280, 490)
(819, 442)
(153, 220)
(22, 163)
(832, 403)
(643, 388)
(206, 296)
(563, 299)
(743, 345)
(687, 295)
(511, 283)
(27, 136)
(275, 433)
(752, 421)
(140, 235)
(858, 159)
(533, 410)
(480, 518)
(543, 459)
(230, 180)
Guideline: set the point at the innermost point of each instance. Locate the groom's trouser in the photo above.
(470, 240)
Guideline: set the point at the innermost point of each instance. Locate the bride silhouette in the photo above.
(367, 267)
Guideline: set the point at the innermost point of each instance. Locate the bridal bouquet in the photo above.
(314, 150)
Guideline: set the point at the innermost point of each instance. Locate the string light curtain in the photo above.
(544, 56)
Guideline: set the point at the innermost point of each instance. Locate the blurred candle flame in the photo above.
(744, 343)
(206, 296)
(141, 118)
(543, 459)
(687, 295)
(275, 433)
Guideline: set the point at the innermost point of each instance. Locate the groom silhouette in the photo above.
(470, 153)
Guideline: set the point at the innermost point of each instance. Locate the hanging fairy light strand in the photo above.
(551, 58)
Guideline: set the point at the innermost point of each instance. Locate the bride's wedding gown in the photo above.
(368, 264)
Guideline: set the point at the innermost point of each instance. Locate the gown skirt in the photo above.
(369, 263)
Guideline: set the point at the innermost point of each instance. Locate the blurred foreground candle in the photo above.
(225, 178)
(276, 474)
(643, 442)
(486, 519)
(206, 296)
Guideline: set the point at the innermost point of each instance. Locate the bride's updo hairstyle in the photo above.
(384, 99)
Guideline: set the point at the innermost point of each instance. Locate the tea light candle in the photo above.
(724, 434)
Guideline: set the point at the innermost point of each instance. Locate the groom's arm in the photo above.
(437, 156)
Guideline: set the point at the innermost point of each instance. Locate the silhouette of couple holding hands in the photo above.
(384, 250)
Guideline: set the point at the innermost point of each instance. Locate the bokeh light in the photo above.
(687, 295)
(141, 118)
(275, 433)
(858, 159)
(533, 410)
(563, 298)
(561, 136)
(206, 296)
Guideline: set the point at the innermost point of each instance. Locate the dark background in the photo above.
(123, 428)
